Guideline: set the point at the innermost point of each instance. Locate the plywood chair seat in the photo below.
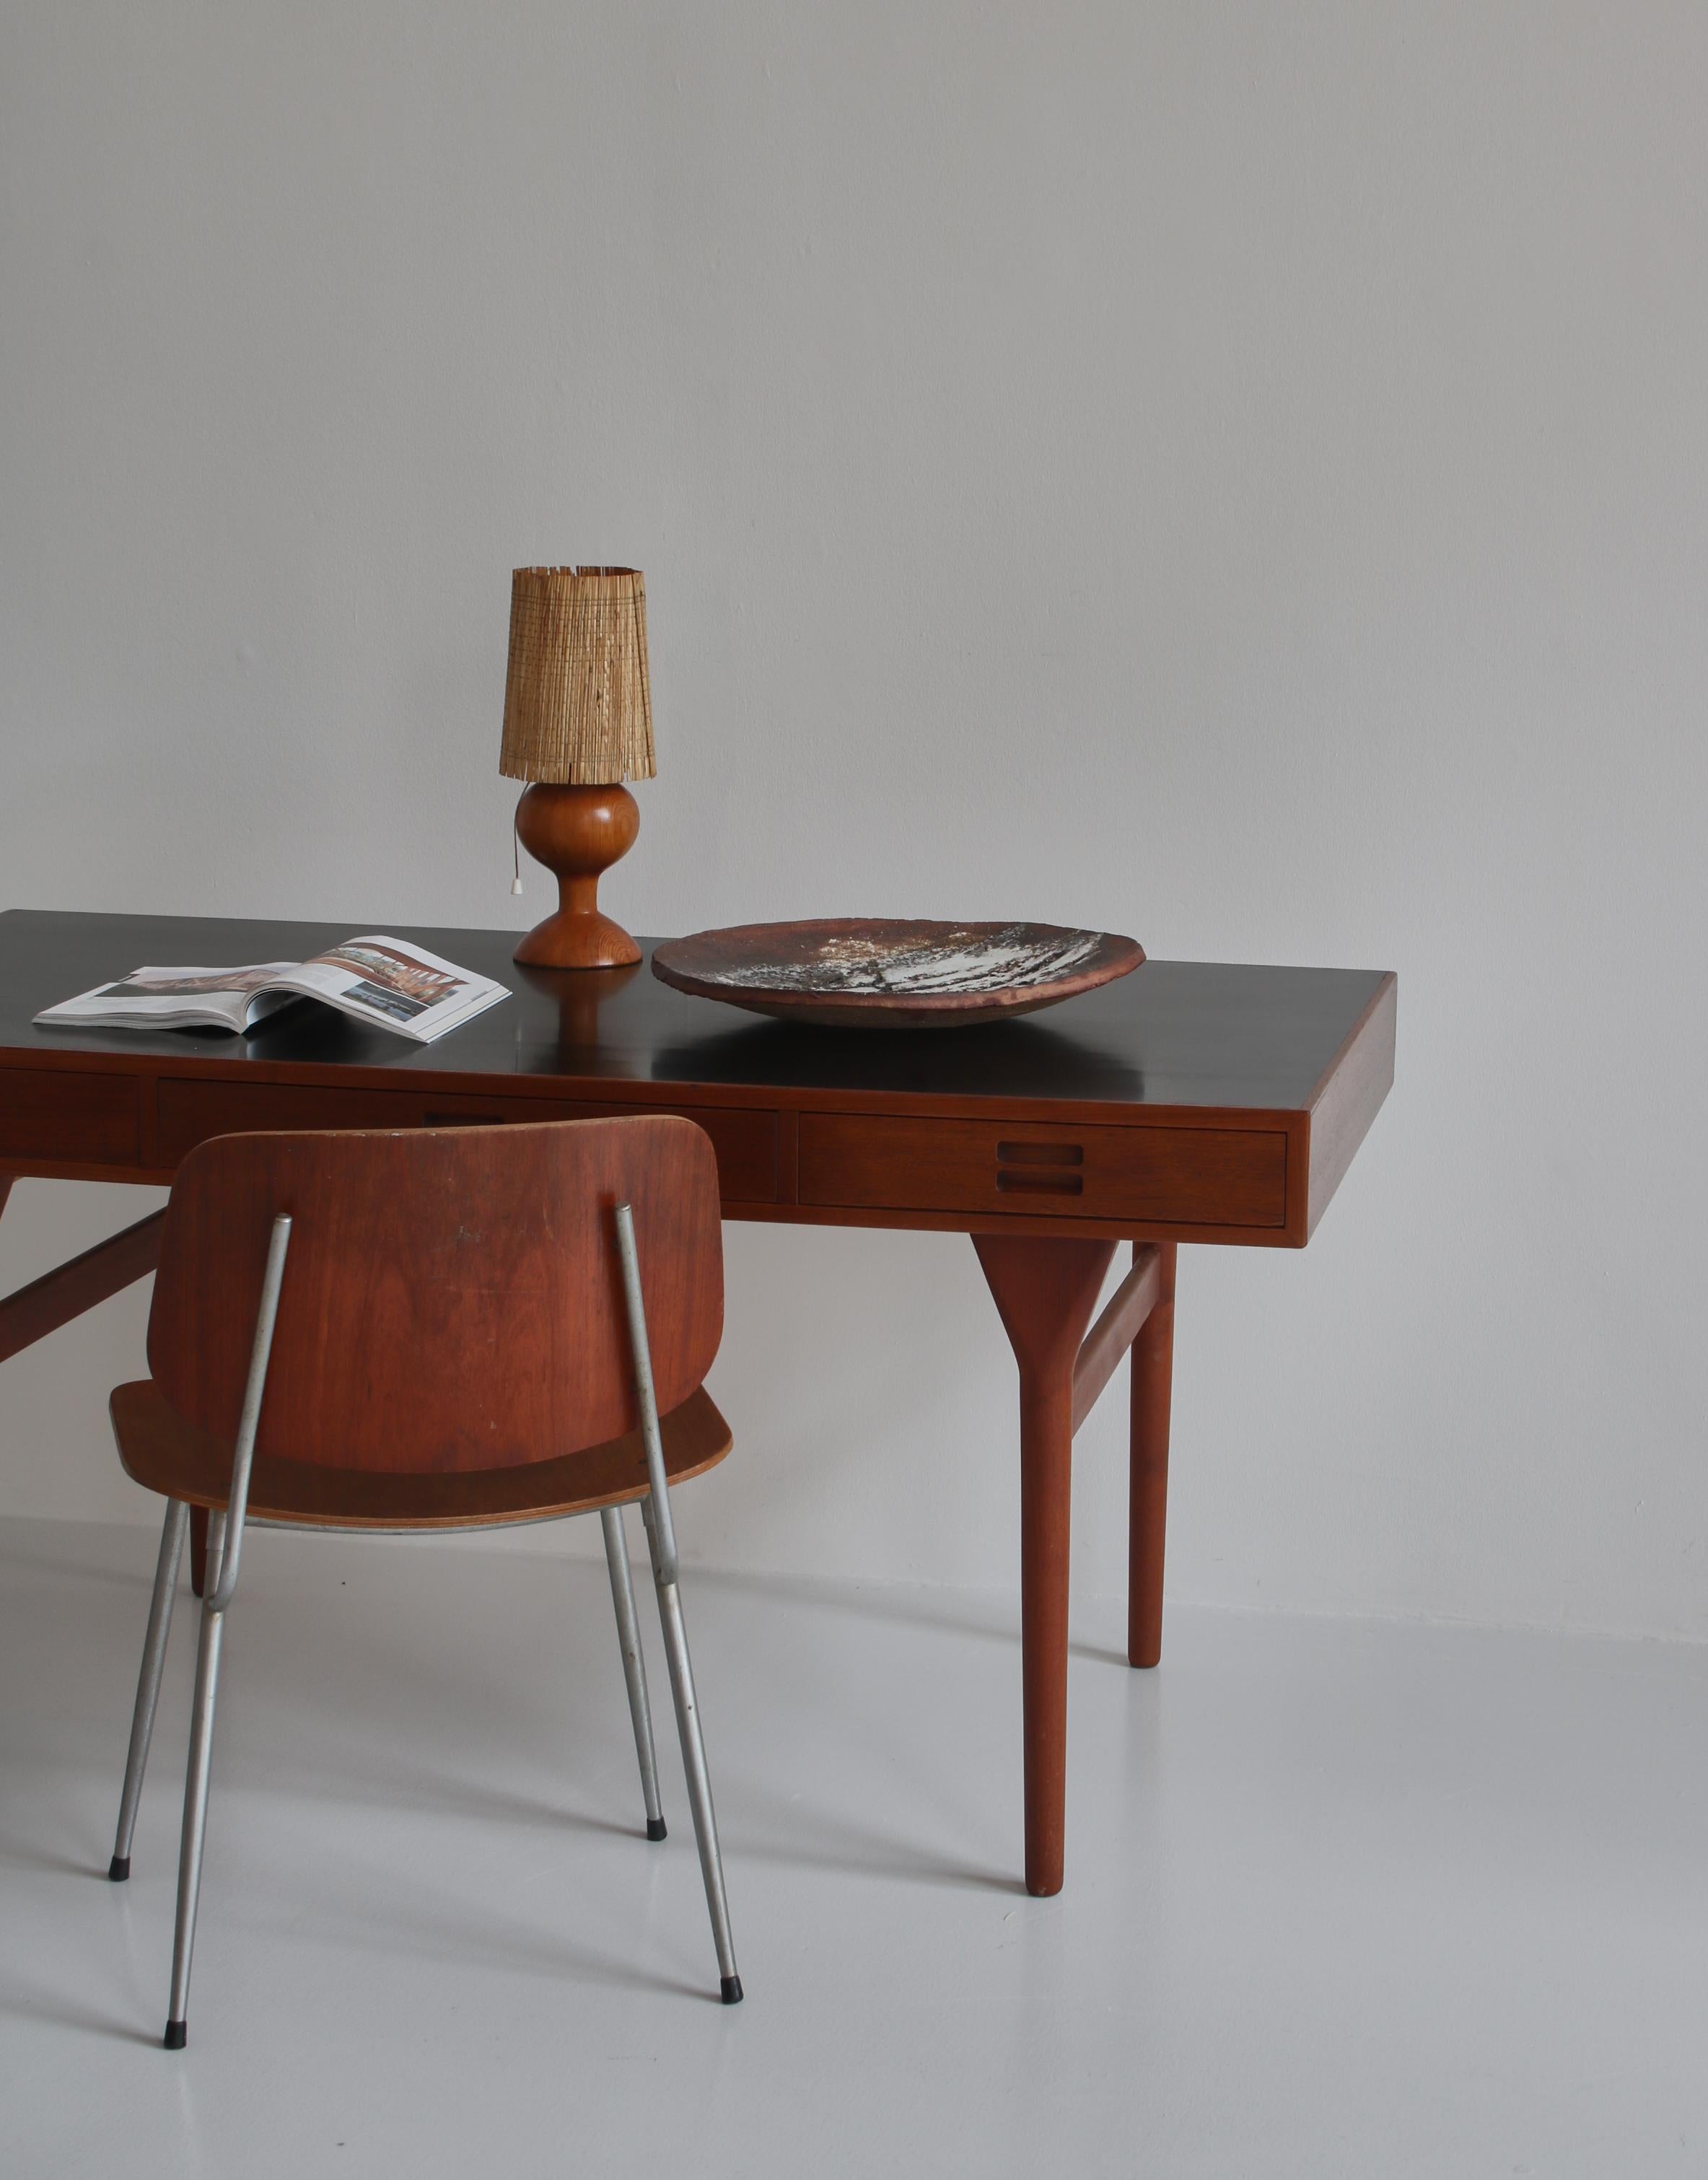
(163, 1452)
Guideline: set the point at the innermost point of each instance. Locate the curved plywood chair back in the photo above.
(452, 1299)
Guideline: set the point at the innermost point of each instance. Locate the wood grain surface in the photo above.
(164, 1453)
(451, 1300)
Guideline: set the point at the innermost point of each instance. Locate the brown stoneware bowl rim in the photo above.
(682, 963)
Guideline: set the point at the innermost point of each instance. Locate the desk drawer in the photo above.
(1189, 1176)
(86, 1119)
(189, 1113)
(744, 1142)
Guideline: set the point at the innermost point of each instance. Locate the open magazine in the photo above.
(390, 983)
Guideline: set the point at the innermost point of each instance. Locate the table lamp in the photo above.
(578, 722)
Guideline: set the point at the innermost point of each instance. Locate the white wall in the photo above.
(1236, 474)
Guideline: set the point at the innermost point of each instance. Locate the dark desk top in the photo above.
(1173, 1034)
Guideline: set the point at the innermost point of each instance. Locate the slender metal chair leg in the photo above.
(634, 1664)
(173, 1530)
(661, 1536)
(195, 1791)
(699, 1781)
(224, 1552)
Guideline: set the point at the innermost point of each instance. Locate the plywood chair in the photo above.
(433, 1330)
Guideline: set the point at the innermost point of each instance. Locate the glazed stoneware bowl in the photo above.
(885, 974)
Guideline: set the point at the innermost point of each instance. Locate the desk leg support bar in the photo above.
(58, 1295)
(1045, 1291)
(65, 1292)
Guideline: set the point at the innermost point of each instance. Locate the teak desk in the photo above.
(1189, 1102)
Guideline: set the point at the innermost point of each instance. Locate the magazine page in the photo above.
(180, 998)
(395, 985)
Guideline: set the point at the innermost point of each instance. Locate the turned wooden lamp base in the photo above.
(578, 832)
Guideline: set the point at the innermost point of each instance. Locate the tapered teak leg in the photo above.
(1045, 1291)
(1152, 1381)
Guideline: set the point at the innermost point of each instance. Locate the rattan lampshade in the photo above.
(578, 705)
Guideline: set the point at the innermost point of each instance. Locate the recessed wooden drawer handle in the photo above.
(1043, 1169)
(468, 1120)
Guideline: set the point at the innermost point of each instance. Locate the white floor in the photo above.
(1343, 1898)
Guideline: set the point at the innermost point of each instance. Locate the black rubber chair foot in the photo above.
(730, 1989)
(176, 2034)
(119, 1869)
(655, 1828)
